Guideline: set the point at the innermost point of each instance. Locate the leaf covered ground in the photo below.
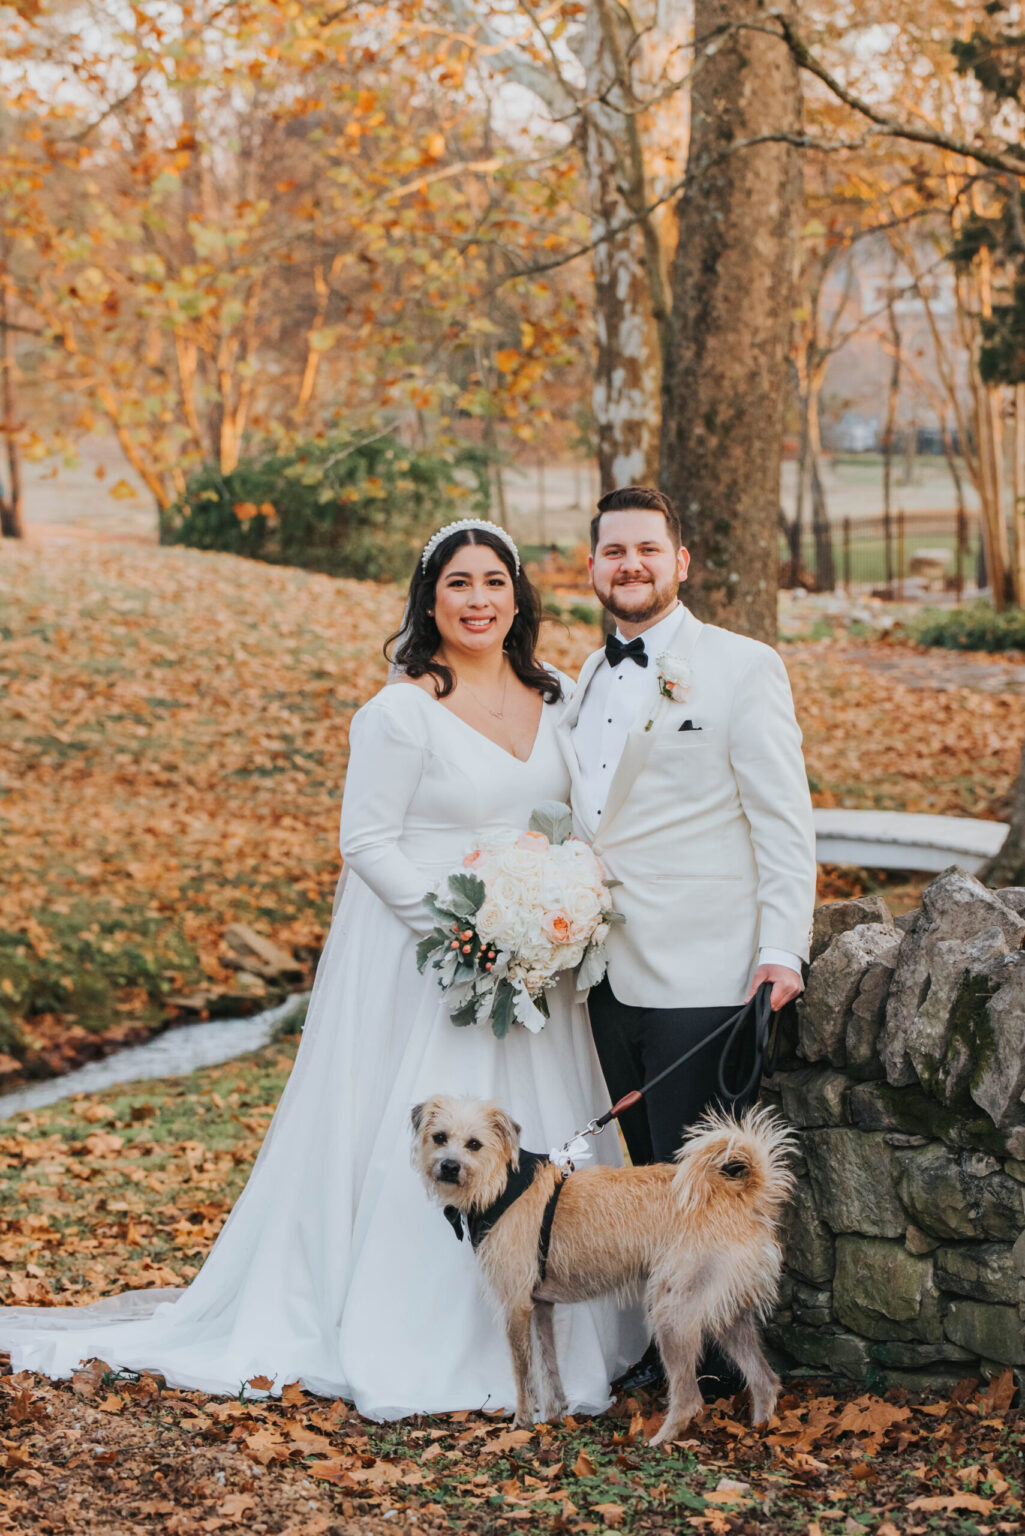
(131, 1190)
(173, 731)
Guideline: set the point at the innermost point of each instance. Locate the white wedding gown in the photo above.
(335, 1269)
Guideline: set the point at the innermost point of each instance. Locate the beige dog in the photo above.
(698, 1239)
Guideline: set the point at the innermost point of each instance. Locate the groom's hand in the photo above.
(786, 984)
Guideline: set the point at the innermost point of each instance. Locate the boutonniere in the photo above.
(674, 680)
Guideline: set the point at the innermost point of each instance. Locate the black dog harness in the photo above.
(480, 1223)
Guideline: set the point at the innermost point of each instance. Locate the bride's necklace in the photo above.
(496, 714)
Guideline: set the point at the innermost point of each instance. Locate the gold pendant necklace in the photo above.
(496, 714)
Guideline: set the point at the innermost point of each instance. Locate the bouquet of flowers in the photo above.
(524, 907)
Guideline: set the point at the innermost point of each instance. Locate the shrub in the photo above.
(975, 627)
(585, 613)
(350, 508)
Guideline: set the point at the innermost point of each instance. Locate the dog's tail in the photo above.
(730, 1170)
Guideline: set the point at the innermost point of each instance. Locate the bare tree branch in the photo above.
(998, 160)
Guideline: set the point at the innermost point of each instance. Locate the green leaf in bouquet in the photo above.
(503, 1010)
(610, 885)
(466, 1013)
(427, 946)
(437, 908)
(554, 818)
(526, 1009)
(612, 917)
(591, 968)
(463, 972)
(468, 889)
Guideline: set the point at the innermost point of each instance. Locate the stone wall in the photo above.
(905, 1076)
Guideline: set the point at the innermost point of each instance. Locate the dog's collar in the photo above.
(479, 1223)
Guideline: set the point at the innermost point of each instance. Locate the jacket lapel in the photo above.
(587, 671)
(564, 733)
(655, 707)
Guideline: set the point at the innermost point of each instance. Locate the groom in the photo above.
(689, 783)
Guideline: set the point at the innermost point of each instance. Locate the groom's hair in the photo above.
(638, 498)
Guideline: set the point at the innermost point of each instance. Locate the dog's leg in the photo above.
(517, 1329)
(677, 1329)
(740, 1341)
(553, 1396)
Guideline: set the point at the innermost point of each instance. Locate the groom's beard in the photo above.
(638, 608)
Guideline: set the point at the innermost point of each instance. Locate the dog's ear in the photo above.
(508, 1132)
(416, 1115)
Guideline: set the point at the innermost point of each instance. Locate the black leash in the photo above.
(757, 1012)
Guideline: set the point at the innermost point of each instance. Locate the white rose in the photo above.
(584, 908)
(489, 919)
(674, 677)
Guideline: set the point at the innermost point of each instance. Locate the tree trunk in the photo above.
(12, 525)
(1018, 524)
(825, 566)
(733, 277)
(628, 372)
(889, 434)
(1008, 866)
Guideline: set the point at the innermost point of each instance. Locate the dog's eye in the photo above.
(439, 1138)
(473, 1145)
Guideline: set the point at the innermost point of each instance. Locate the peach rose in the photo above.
(557, 927)
(473, 859)
(534, 842)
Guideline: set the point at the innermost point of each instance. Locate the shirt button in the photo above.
(609, 721)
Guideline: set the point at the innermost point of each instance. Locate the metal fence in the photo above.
(903, 556)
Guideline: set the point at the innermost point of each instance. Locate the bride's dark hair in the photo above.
(419, 637)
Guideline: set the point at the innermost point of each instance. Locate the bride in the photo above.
(334, 1269)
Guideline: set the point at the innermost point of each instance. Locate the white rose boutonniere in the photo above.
(674, 680)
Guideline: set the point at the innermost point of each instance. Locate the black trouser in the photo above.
(635, 1044)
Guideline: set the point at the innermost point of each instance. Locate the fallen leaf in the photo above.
(583, 1466)
(997, 1395)
(870, 1416)
(947, 1503)
(612, 1514)
(235, 1505)
(509, 1439)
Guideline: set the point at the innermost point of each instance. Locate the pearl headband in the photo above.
(466, 524)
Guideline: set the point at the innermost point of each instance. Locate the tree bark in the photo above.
(889, 433)
(724, 372)
(1008, 866)
(629, 157)
(12, 525)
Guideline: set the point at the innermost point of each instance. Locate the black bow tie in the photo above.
(616, 651)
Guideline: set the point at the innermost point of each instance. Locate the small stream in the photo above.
(176, 1052)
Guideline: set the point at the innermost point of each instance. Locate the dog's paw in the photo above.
(673, 1428)
(762, 1412)
(557, 1410)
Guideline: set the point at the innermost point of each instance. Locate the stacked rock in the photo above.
(905, 1245)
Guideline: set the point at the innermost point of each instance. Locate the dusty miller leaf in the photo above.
(554, 818)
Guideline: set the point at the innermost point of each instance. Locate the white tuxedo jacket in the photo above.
(710, 830)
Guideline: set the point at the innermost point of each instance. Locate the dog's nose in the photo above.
(448, 1171)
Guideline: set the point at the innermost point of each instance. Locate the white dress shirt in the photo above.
(607, 714)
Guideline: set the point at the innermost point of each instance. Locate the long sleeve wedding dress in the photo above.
(334, 1268)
